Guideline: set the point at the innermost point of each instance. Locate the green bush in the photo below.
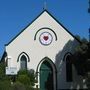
(18, 86)
(5, 85)
(23, 72)
(24, 79)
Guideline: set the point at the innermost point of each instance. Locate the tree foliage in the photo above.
(81, 56)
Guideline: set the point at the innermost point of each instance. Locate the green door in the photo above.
(46, 76)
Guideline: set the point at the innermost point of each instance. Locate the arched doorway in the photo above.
(23, 62)
(47, 75)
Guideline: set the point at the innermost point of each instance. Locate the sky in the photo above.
(17, 14)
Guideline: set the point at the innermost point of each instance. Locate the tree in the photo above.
(81, 60)
(4, 80)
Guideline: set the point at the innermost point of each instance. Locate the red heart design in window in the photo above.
(45, 38)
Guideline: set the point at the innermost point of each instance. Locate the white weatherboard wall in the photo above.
(36, 51)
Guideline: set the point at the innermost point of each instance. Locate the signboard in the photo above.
(11, 71)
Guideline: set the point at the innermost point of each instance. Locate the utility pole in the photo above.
(89, 12)
(88, 65)
(89, 35)
(89, 7)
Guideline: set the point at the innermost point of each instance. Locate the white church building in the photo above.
(45, 46)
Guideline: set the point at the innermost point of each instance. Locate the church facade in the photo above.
(45, 46)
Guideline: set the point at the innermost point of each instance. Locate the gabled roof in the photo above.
(38, 17)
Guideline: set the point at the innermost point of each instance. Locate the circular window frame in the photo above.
(42, 42)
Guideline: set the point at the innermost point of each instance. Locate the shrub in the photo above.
(24, 79)
(18, 86)
(27, 78)
(5, 85)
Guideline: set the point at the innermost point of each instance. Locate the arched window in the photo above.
(23, 59)
(68, 67)
(23, 62)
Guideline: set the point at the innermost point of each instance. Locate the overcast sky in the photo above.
(16, 14)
